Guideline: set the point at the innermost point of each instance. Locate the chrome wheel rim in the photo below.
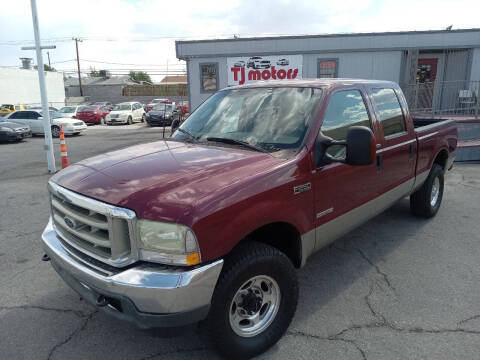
(55, 132)
(254, 306)
(434, 195)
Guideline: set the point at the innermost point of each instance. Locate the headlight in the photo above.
(108, 116)
(167, 243)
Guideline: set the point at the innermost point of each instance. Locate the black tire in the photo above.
(249, 260)
(129, 120)
(422, 201)
(55, 131)
(143, 118)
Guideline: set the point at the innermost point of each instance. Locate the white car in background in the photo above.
(34, 119)
(70, 111)
(126, 113)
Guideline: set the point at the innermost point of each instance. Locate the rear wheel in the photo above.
(129, 121)
(426, 201)
(55, 131)
(254, 301)
(143, 118)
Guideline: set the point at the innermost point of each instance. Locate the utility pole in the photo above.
(48, 54)
(78, 66)
(43, 89)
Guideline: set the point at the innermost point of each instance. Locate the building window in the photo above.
(208, 77)
(389, 111)
(327, 68)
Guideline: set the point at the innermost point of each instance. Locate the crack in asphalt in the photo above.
(474, 317)
(20, 272)
(177, 351)
(377, 269)
(329, 338)
(384, 324)
(44, 308)
(72, 335)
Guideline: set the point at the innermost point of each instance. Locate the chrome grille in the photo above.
(99, 230)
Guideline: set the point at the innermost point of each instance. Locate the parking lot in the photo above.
(398, 287)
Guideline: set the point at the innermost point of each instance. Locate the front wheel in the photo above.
(129, 121)
(254, 301)
(55, 131)
(426, 201)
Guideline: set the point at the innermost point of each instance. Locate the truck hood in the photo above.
(162, 180)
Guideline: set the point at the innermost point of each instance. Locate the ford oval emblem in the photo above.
(72, 224)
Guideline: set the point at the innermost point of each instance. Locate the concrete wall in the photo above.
(113, 94)
(20, 86)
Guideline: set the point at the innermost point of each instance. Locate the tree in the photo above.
(140, 76)
(46, 67)
(93, 72)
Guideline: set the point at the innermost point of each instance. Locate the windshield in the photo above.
(67, 109)
(163, 107)
(275, 119)
(122, 107)
(53, 114)
(88, 108)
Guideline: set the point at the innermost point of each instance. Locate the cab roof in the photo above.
(317, 83)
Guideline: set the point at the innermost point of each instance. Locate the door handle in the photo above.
(378, 146)
(379, 162)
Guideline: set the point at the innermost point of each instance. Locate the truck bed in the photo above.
(433, 134)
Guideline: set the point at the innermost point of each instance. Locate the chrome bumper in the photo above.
(148, 295)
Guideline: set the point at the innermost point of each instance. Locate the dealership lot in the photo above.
(397, 287)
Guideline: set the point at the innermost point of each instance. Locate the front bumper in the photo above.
(75, 129)
(148, 295)
(18, 135)
(117, 120)
(159, 121)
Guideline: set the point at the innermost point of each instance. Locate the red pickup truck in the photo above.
(211, 223)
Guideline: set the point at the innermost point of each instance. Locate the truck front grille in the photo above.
(99, 230)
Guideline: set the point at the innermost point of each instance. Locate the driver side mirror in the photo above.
(360, 148)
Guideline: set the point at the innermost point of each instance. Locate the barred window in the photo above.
(327, 68)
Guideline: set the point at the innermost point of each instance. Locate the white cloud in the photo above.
(122, 20)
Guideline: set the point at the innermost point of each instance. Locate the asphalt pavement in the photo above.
(398, 287)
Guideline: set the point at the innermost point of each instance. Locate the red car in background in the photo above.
(92, 114)
(184, 107)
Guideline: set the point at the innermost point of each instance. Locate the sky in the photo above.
(141, 33)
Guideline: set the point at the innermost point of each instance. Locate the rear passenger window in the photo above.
(389, 111)
(345, 108)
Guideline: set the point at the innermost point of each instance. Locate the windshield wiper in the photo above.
(237, 142)
(187, 133)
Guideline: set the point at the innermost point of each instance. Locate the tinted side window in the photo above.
(389, 111)
(345, 108)
(15, 115)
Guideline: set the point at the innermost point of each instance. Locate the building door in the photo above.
(426, 75)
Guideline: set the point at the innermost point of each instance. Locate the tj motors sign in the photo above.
(246, 70)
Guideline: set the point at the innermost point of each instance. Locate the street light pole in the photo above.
(43, 92)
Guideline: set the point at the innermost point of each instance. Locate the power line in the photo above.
(115, 63)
